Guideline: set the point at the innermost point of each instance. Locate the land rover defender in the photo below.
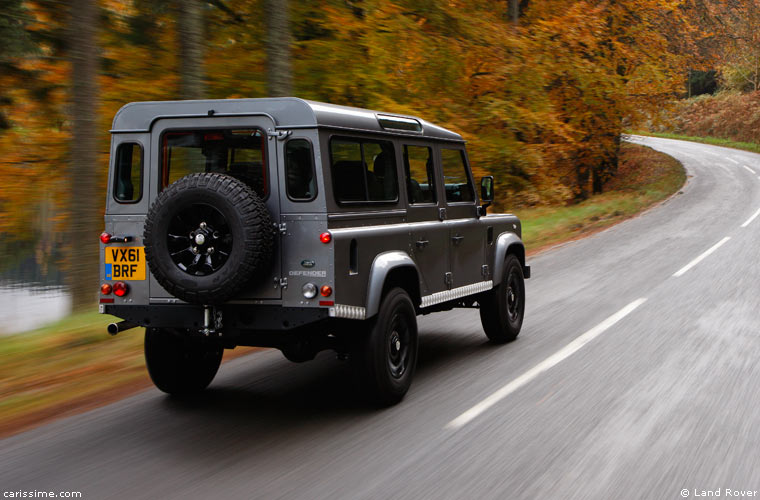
(301, 226)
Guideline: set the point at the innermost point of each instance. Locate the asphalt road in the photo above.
(635, 376)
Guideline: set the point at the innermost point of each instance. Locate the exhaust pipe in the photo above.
(119, 327)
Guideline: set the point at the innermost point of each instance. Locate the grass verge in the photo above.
(73, 365)
(69, 367)
(714, 141)
(645, 177)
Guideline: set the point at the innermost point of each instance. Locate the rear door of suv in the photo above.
(182, 146)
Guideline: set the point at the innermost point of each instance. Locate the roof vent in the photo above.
(399, 123)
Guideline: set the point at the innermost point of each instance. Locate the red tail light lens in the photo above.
(105, 237)
(326, 291)
(120, 289)
(106, 289)
(325, 237)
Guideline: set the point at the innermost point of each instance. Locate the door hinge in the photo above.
(283, 283)
(280, 135)
(448, 280)
(283, 228)
(484, 271)
(442, 214)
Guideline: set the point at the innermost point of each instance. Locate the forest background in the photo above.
(541, 89)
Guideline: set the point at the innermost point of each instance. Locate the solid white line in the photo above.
(749, 221)
(745, 166)
(731, 159)
(699, 259)
(543, 366)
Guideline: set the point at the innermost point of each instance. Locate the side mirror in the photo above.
(486, 190)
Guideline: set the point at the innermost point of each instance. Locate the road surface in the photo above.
(636, 376)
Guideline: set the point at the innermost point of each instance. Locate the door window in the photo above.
(455, 176)
(420, 174)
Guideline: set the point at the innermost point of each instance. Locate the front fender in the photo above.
(381, 266)
(508, 243)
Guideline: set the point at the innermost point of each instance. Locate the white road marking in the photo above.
(745, 166)
(543, 366)
(732, 160)
(749, 221)
(699, 259)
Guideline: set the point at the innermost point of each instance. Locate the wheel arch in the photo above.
(508, 244)
(389, 269)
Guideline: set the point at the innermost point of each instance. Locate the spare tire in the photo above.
(206, 236)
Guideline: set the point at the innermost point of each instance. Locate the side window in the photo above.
(458, 187)
(299, 170)
(420, 174)
(363, 170)
(129, 172)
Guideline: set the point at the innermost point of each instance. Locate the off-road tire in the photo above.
(372, 355)
(251, 228)
(178, 364)
(501, 317)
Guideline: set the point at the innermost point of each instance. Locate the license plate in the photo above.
(125, 263)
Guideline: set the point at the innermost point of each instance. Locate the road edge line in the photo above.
(543, 366)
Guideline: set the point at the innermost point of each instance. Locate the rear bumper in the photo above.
(235, 317)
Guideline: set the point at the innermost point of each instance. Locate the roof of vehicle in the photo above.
(286, 112)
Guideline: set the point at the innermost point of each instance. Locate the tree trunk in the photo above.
(278, 39)
(190, 28)
(85, 220)
(514, 11)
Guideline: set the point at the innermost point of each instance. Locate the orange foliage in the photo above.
(542, 103)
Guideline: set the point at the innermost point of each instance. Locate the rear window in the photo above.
(237, 152)
(129, 171)
(363, 171)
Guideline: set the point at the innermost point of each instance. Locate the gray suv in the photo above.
(301, 226)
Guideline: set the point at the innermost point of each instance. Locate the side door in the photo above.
(239, 146)
(429, 236)
(466, 245)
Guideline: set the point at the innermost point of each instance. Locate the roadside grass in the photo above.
(73, 365)
(645, 177)
(714, 141)
(68, 367)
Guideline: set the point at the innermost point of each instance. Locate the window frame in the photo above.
(313, 170)
(361, 141)
(116, 172)
(264, 153)
(468, 173)
(434, 175)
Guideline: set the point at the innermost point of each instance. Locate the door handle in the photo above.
(457, 239)
(422, 243)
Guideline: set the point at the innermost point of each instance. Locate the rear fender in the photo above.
(381, 268)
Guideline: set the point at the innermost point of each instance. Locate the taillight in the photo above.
(325, 237)
(120, 289)
(106, 289)
(105, 237)
(326, 291)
